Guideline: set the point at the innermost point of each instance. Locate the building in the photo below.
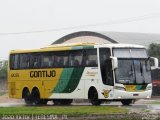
(110, 37)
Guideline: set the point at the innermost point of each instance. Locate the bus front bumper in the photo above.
(119, 94)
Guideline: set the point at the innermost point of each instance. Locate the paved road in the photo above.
(139, 105)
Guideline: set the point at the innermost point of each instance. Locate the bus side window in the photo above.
(75, 58)
(47, 60)
(106, 66)
(29, 60)
(34, 60)
(61, 59)
(90, 58)
(14, 59)
(24, 61)
(66, 59)
(51, 61)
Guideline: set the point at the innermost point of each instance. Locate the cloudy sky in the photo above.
(26, 24)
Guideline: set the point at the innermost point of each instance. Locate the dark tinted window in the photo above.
(106, 66)
(14, 61)
(29, 61)
(75, 58)
(35, 60)
(24, 61)
(61, 59)
(47, 60)
(90, 58)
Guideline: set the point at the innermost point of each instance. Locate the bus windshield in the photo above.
(135, 71)
(133, 66)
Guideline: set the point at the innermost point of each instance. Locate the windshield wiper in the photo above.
(142, 74)
(141, 69)
(147, 59)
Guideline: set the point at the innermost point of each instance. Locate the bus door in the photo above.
(106, 68)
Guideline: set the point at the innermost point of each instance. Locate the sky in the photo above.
(28, 24)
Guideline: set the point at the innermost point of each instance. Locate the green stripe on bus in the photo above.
(141, 87)
(64, 80)
(82, 47)
(74, 80)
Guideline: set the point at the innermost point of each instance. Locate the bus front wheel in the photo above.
(93, 96)
(126, 101)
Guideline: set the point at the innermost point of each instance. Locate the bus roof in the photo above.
(120, 45)
(76, 46)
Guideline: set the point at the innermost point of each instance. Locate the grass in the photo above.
(2, 93)
(62, 110)
(156, 102)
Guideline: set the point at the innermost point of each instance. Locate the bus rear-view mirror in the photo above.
(114, 62)
(154, 63)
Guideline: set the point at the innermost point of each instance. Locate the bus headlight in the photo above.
(119, 88)
(149, 88)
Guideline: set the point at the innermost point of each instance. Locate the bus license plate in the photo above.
(135, 94)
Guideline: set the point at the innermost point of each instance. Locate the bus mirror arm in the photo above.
(155, 60)
(114, 62)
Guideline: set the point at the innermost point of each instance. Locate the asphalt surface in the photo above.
(142, 104)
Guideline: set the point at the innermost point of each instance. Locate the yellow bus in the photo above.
(65, 72)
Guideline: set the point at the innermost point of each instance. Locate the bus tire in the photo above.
(27, 96)
(126, 101)
(93, 97)
(36, 97)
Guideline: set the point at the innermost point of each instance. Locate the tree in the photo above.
(3, 69)
(154, 50)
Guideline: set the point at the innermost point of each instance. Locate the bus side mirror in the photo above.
(154, 63)
(114, 62)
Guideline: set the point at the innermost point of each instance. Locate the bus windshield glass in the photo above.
(133, 66)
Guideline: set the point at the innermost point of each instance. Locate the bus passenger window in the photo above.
(14, 62)
(34, 60)
(27, 63)
(24, 61)
(35, 63)
(51, 61)
(74, 62)
(47, 60)
(90, 58)
(75, 58)
(61, 59)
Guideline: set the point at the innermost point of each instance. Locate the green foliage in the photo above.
(65, 110)
(3, 69)
(154, 50)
